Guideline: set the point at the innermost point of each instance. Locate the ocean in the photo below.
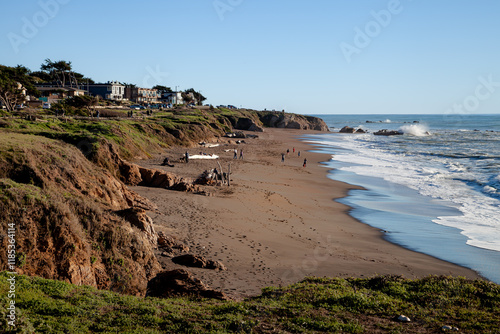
(435, 189)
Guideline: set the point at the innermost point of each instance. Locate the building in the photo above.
(142, 95)
(112, 90)
(53, 93)
(172, 98)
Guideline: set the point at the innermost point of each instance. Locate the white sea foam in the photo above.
(418, 130)
(436, 176)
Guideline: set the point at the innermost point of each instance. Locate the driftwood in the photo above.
(221, 173)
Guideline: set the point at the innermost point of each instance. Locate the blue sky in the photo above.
(310, 57)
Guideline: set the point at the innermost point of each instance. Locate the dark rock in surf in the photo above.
(386, 132)
(347, 129)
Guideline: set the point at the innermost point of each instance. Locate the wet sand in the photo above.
(277, 222)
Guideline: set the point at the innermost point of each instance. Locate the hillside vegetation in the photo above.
(63, 183)
(86, 245)
(315, 305)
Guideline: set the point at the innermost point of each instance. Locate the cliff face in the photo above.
(292, 121)
(63, 186)
(66, 212)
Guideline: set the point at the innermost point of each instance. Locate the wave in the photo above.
(467, 180)
(418, 130)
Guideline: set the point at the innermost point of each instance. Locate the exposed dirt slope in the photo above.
(67, 216)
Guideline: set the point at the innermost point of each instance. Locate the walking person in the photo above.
(235, 156)
(241, 154)
(299, 154)
(287, 152)
(282, 157)
(187, 157)
(305, 162)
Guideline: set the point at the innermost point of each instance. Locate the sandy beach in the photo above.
(277, 222)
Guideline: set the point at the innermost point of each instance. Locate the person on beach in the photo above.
(166, 162)
(287, 152)
(282, 157)
(235, 156)
(241, 154)
(305, 162)
(293, 150)
(299, 153)
(187, 157)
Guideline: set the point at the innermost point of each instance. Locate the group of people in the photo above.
(186, 155)
(235, 156)
(288, 154)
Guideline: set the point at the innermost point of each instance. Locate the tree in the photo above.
(187, 98)
(163, 89)
(85, 101)
(61, 72)
(58, 70)
(80, 79)
(15, 84)
(195, 96)
(41, 76)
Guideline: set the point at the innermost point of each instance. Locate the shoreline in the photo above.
(277, 223)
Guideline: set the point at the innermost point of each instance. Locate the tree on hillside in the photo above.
(58, 71)
(61, 72)
(187, 98)
(85, 101)
(41, 76)
(15, 84)
(80, 79)
(194, 96)
(163, 89)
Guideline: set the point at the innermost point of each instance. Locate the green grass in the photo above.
(135, 137)
(316, 305)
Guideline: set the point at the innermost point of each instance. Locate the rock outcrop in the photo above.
(138, 218)
(292, 121)
(177, 283)
(348, 129)
(170, 246)
(132, 174)
(386, 132)
(246, 123)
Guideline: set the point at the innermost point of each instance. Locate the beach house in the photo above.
(142, 95)
(53, 93)
(112, 90)
(172, 98)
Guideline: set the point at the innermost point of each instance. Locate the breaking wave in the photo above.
(418, 130)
